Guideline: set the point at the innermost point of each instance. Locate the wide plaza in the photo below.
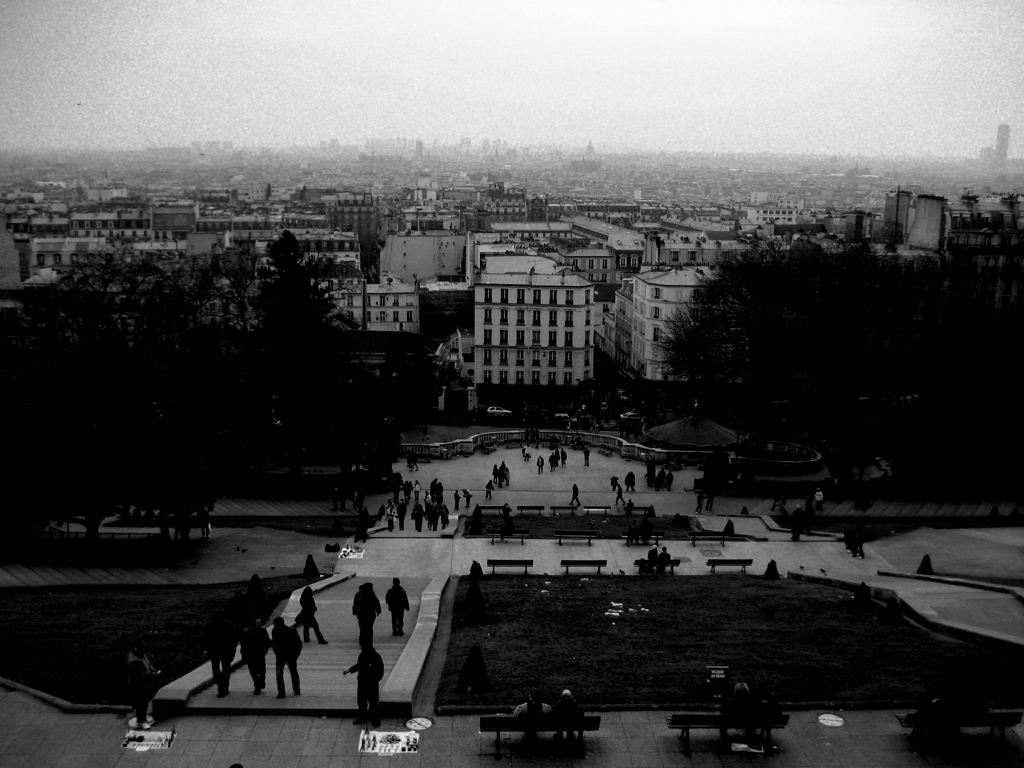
(316, 729)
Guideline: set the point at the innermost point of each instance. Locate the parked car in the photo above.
(499, 412)
(629, 415)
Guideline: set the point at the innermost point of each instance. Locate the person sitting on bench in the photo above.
(664, 558)
(533, 708)
(506, 515)
(739, 712)
(569, 715)
(646, 530)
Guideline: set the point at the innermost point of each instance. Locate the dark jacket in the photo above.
(286, 642)
(255, 643)
(365, 605)
(397, 600)
(220, 637)
(370, 666)
(308, 607)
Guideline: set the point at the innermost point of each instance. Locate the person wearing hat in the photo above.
(141, 674)
(569, 715)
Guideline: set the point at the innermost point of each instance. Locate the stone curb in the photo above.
(452, 710)
(1014, 591)
(62, 704)
(174, 697)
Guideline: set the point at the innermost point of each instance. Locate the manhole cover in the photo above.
(711, 553)
(418, 723)
(832, 721)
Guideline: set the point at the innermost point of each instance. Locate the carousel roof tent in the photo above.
(691, 431)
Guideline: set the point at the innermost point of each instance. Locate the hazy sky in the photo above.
(823, 76)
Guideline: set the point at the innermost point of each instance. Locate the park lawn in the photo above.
(72, 642)
(611, 527)
(799, 641)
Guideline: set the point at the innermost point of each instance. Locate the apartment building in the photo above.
(392, 306)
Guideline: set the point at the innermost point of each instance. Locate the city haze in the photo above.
(848, 78)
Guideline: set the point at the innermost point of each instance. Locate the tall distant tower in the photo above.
(1002, 145)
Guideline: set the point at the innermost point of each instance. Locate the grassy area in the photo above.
(603, 527)
(802, 642)
(73, 642)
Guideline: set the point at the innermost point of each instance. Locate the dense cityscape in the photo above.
(654, 366)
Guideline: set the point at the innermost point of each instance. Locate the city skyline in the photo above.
(867, 78)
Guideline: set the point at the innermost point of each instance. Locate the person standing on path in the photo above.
(540, 465)
(458, 498)
(416, 491)
(586, 457)
(398, 603)
(711, 498)
(669, 478)
(369, 669)
(255, 644)
(141, 674)
(366, 609)
(467, 496)
(700, 502)
(307, 616)
(220, 638)
(287, 647)
(403, 510)
(575, 495)
(562, 455)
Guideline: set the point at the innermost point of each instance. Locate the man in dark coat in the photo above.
(366, 609)
(370, 671)
(398, 603)
(220, 638)
(255, 644)
(141, 674)
(287, 646)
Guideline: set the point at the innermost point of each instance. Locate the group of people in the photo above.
(501, 476)
(555, 458)
(566, 713)
(640, 532)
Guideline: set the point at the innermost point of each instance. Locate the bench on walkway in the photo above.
(558, 510)
(696, 536)
(643, 562)
(654, 535)
(489, 447)
(538, 508)
(687, 721)
(599, 564)
(604, 451)
(491, 507)
(642, 511)
(502, 534)
(716, 562)
(512, 724)
(941, 724)
(575, 534)
(597, 510)
(524, 564)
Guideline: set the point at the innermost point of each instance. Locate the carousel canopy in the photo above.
(691, 431)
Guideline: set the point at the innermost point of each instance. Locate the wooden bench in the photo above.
(575, 534)
(602, 510)
(604, 451)
(696, 536)
(491, 507)
(671, 564)
(502, 534)
(1001, 719)
(599, 564)
(538, 508)
(511, 724)
(654, 535)
(715, 562)
(687, 721)
(524, 564)
(641, 510)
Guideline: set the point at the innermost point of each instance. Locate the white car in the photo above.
(502, 413)
(630, 415)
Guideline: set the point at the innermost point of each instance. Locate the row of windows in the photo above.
(382, 301)
(100, 233)
(590, 263)
(570, 296)
(382, 317)
(535, 358)
(120, 224)
(535, 338)
(534, 377)
(521, 317)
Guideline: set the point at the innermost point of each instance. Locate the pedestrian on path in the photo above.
(575, 495)
(586, 457)
(287, 647)
(403, 510)
(819, 499)
(458, 498)
(540, 465)
(669, 478)
(467, 496)
(700, 502)
(390, 515)
(141, 674)
(307, 616)
(220, 638)
(255, 644)
(369, 669)
(618, 494)
(398, 603)
(416, 491)
(563, 456)
(366, 609)
(711, 498)
(488, 489)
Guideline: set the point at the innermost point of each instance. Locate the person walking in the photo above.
(398, 603)
(307, 616)
(369, 669)
(488, 489)
(711, 498)
(287, 647)
(458, 498)
(575, 495)
(220, 638)
(586, 457)
(254, 645)
(540, 465)
(700, 502)
(819, 499)
(366, 609)
(403, 510)
(390, 515)
(562, 455)
(618, 494)
(669, 478)
(141, 674)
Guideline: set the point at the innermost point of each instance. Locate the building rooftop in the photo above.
(537, 280)
(686, 277)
